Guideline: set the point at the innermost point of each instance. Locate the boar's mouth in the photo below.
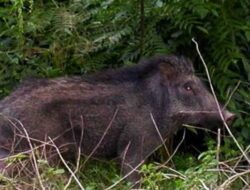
(209, 119)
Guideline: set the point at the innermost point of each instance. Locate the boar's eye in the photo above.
(188, 87)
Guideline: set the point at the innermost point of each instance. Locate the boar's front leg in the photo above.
(130, 161)
(133, 149)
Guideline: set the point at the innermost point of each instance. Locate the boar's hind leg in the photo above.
(3, 154)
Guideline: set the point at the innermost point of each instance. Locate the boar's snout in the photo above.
(228, 116)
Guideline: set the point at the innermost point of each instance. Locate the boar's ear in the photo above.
(168, 71)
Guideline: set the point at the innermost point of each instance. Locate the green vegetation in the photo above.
(55, 38)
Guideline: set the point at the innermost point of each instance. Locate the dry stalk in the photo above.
(28, 151)
(200, 128)
(218, 152)
(217, 103)
(124, 177)
(181, 176)
(75, 171)
(66, 165)
(231, 171)
(125, 153)
(203, 184)
(161, 138)
(32, 151)
(232, 179)
(177, 147)
(240, 158)
(231, 94)
(78, 158)
(169, 176)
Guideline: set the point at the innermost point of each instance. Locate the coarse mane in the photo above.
(142, 70)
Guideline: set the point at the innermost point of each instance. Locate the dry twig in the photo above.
(78, 158)
(32, 151)
(124, 177)
(217, 103)
(66, 165)
(161, 138)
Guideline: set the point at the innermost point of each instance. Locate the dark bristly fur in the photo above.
(142, 70)
(111, 110)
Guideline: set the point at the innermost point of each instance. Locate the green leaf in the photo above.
(59, 171)
(202, 29)
(247, 34)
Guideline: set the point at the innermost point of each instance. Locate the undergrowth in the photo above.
(188, 172)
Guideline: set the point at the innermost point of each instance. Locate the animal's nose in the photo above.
(228, 116)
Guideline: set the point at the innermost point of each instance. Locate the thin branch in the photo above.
(125, 153)
(32, 152)
(175, 171)
(247, 150)
(177, 147)
(231, 94)
(162, 140)
(66, 165)
(76, 169)
(124, 177)
(168, 176)
(232, 179)
(78, 157)
(204, 185)
(232, 171)
(217, 103)
(218, 153)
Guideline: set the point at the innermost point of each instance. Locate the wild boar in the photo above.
(124, 114)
